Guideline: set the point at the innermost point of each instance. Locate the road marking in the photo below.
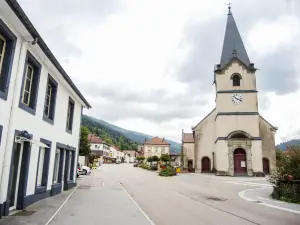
(281, 208)
(267, 185)
(137, 205)
(242, 194)
(271, 200)
(52, 217)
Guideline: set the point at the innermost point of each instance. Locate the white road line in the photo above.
(271, 200)
(137, 205)
(281, 208)
(267, 185)
(243, 196)
(52, 217)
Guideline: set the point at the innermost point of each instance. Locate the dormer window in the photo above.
(236, 79)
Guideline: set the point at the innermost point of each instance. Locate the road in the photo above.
(184, 199)
(122, 194)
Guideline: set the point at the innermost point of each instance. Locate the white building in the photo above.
(39, 118)
(130, 155)
(155, 147)
(99, 147)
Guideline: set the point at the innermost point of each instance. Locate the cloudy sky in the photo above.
(147, 65)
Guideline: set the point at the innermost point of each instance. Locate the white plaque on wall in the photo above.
(243, 164)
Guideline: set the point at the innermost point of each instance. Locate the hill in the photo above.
(110, 136)
(117, 132)
(283, 146)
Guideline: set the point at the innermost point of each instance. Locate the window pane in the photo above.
(27, 85)
(29, 72)
(2, 43)
(70, 164)
(41, 166)
(56, 166)
(26, 98)
(46, 111)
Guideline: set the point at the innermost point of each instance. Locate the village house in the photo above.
(99, 148)
(40, 115)
(130, 155)
(155, 146)
(233, 139)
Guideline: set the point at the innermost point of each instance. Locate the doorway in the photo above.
(205, 165)
(266, 166)
(240, 165)
(15, 175)
(190, 165)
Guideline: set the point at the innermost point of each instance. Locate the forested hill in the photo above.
(283, 146)
(108, 135)
(118, 132)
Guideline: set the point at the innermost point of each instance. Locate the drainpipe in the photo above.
(12, 107)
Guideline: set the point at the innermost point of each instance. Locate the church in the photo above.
(233, 139)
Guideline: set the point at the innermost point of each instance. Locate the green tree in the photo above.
(150, 160)
(155, 158)
(165, 158)
(85, 147)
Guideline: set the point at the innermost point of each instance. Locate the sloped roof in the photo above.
(188, 138)
(94, 139)
(233, 46)
(156, 141)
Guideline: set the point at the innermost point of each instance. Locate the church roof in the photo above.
(233, 46)
(156, 141)
(188, 138)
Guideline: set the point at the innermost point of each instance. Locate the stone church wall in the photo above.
(205, 140)
(268, 142)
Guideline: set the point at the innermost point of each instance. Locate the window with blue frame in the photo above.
(50, 100)
(30, 84)
(7, 49)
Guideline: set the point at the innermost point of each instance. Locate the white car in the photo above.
(86, 170)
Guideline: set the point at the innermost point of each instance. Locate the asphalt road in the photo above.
(118, 194)
(202, 199)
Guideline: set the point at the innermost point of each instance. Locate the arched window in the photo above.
(236, 80)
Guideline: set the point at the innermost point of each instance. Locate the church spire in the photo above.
(233, 46)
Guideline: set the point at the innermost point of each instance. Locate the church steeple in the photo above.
(233, 46)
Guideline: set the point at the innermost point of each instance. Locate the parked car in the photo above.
(86, 170)
(79, 170)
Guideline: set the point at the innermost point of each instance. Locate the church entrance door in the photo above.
(190, 165)
(266, 166)
(240, 163)
(205, 165)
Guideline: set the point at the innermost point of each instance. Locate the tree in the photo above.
(150, 160)
(84, 147)
(165, 158)
(155, 158)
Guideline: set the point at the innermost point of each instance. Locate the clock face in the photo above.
(236, 98)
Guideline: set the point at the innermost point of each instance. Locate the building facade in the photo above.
(155, 146)
(99, 148)
(40, 115)
(233, 139)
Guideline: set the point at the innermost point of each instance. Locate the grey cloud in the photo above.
(205, 41)
(278, 72)
(117, 101)
(53, 19)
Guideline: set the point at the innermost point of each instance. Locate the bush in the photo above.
(286, 177)
(153, 167)
(168, 172)
(144, 166)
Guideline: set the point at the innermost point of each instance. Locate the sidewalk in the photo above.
(99, 199)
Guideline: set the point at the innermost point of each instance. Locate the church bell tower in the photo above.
(237, 117)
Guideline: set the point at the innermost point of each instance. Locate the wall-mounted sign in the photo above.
(243, 164)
